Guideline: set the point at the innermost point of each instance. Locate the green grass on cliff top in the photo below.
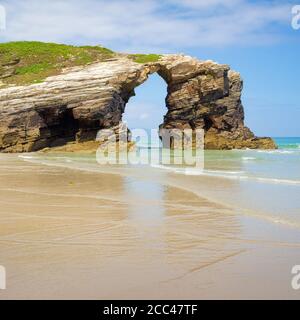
(29, 62)
(145, 58)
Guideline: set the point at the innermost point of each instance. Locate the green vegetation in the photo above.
(145, 58)
(28, 62)
(34, 68)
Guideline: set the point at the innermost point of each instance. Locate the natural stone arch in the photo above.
(200, 95)
(81, 101)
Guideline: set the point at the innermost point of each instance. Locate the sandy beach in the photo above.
(77, 234)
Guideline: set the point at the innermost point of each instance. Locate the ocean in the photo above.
(263, 183)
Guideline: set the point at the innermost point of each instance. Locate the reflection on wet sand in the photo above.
(197, 232)
(73, 234)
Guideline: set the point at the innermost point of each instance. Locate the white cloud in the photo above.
(149, 25)
(204, 4)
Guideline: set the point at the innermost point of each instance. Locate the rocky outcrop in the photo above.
(73, 106)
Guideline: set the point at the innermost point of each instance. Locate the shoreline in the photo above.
(169, 179)
(105, 231)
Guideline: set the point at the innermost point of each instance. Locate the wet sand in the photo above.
(70, 234)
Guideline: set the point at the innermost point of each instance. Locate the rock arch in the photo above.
(76, 104)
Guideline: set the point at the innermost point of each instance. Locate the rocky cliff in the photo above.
(75, 104)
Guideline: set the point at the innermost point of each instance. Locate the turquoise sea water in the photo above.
(270, 166)
(264, 183)
(288, 143)
(261, 183)
(280, 166)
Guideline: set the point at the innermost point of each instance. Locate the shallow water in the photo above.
(259, 183)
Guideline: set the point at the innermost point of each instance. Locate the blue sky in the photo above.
(254, 37)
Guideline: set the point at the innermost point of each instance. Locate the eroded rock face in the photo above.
(76, 104)
(206, 95)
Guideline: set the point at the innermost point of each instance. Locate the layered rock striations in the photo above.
(76, 104)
